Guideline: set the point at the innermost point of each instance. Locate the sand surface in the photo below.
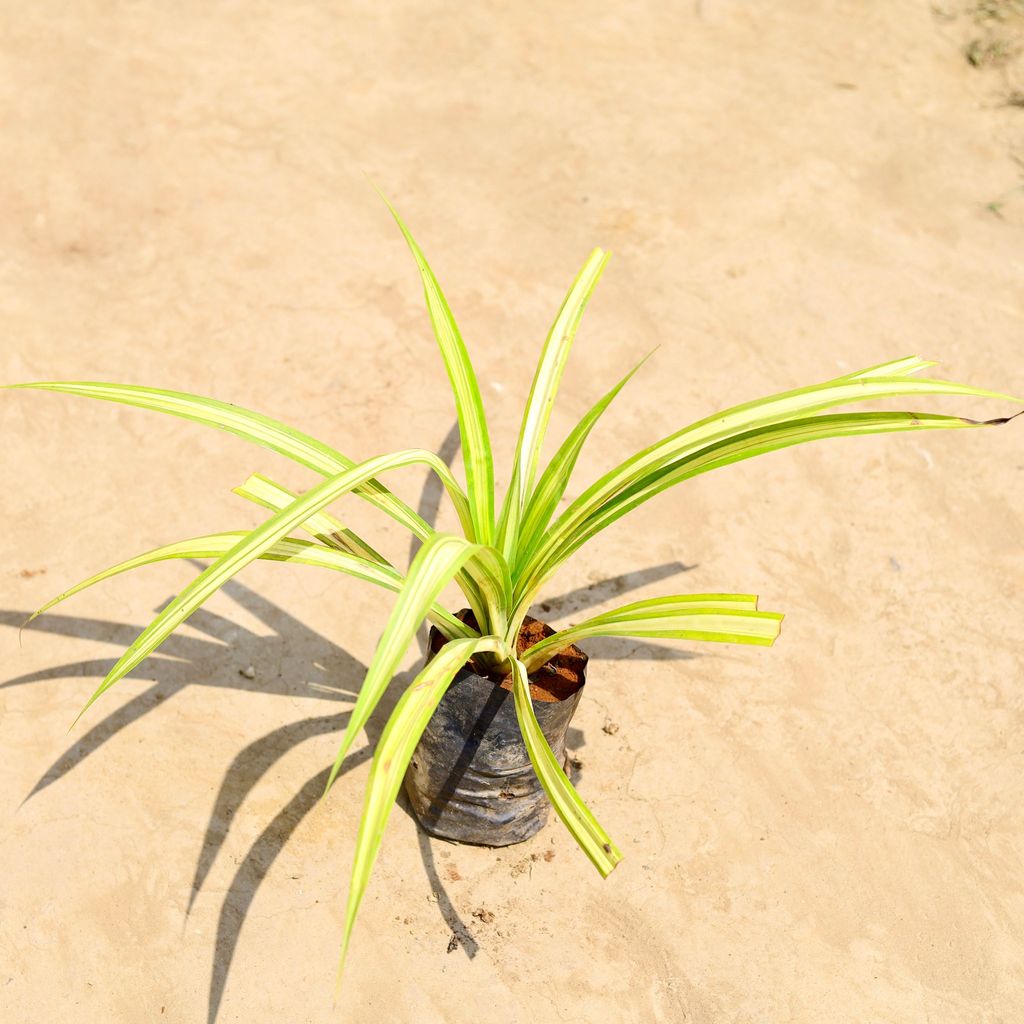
(827, 831)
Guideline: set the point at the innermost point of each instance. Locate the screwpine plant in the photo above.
(506, 555)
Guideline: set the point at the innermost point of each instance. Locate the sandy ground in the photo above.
(826, 831)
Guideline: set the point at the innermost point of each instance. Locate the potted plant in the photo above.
(479, 734)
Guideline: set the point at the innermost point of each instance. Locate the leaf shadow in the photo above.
(219, 657)
(183, 661)
(191, 661)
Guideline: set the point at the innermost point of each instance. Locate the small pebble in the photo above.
(249, 672)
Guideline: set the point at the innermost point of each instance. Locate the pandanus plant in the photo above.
(506, 554)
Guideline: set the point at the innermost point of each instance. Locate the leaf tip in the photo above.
(29, 621)
(997, 422)
(339, 976)
(614, 858)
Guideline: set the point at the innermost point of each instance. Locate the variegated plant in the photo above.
(506, 556)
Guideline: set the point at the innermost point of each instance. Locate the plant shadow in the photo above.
(230, 648)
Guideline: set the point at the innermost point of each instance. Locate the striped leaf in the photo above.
(509, 522)
(432, 569)
(759, 442)
(252, 426)
(903, 367)
(287, 550)
(568, 804)
(263, 491)
(250, 547)
(789, 407)
(476, 445)
(330, 531)
(747, 445)
(391, 758)
(555, 478)
(720, 618)
(553, 359)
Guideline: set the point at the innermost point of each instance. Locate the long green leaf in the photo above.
(476, 445)
(287, 550)
(434, 566)
(391, 758)
(550, 367)
(490, 574)
(568, 804)
(705, 617)
(251, 547)
(903, 367)
(552, 364)
(555, 478)
(330, 531)
(787, 407)
(671, 603)
(507, 530)
(252, 426)
(744, 446)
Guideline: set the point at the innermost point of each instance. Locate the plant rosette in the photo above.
(502, 561)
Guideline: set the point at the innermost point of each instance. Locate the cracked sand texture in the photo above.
(829, 831)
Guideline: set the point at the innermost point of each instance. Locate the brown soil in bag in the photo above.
(558, 680)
